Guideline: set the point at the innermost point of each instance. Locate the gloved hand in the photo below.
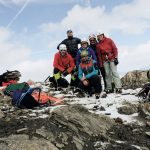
(116, 62)
(65, 73)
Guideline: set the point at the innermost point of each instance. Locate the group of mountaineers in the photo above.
(98, 55)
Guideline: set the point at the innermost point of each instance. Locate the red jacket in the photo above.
(63, 63)
(106, 50)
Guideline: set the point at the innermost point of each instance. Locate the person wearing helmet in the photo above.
(108, 58)
(88, 75)
(72, 43)
(93, 43)
(63, 65)
(85, 47)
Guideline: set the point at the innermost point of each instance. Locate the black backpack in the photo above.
(9, 75)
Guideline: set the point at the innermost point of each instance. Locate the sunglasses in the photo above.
(92, 40)
(62, 50)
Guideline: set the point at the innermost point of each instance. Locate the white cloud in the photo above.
(15, 56)
(37, 70)
(134, 57)
(132, 18)
(11, 51)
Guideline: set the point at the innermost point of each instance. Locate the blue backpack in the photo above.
(21, 95)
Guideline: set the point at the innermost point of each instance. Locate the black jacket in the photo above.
(72, 45)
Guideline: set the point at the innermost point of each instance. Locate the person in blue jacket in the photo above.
(85, 46)
(88, 75)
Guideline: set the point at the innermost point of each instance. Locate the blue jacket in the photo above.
(87, 70)
(91, 54)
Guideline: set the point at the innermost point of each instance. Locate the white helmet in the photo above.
(92, 36)
(62, 47)
(84, 40)
(100, 33)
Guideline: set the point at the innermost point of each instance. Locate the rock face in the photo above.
(144, 110)
(134, 79)
(128, 109)
(1, 114)
(85, 126)
(22, 141)
(67, 127)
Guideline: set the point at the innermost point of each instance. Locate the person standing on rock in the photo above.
(88, 75)
(63, 65)
(72, 44)
(108, 58)
(93, 43)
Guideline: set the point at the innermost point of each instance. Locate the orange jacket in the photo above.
(63, 63)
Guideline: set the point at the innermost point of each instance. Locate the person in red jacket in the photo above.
(63, 65)
(108, 57)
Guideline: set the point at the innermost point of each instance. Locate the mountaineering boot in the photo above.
(89, 94)
(103, 95)
(77, 90)
(97, 95)
(108, 91)
(118, 91)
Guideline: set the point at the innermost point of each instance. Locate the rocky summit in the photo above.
(113, 122)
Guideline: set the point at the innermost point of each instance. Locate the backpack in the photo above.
(9, 75)
(21, 95)
(20, 87)
(25, 97)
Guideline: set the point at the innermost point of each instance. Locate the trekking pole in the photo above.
(56, 85)
(46, 79)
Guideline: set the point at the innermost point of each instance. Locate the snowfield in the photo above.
(107, 106)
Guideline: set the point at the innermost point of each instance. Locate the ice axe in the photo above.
(46, 79)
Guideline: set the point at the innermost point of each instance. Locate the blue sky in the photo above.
(30, 31)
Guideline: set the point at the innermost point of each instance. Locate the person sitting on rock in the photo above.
(88, 75)
(85, 46)
(63, 65)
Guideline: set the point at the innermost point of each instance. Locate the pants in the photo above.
(57, 80)
(94, 82)
(74, 78)
(112, 75)
(102, 70)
